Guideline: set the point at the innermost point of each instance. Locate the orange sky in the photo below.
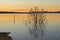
(25, 5)
(46, 8)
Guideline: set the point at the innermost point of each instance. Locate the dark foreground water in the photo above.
(25, 26)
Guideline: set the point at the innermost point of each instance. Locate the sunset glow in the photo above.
(25, 5)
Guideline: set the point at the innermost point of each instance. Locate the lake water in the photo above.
(24, 28)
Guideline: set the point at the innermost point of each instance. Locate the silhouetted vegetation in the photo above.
(6, 12)
(36, 23)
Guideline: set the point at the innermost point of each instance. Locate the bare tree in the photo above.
(36, 22)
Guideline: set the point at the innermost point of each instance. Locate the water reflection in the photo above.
(36, 24)
(5, 36)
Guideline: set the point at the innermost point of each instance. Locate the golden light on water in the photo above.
(8, 18)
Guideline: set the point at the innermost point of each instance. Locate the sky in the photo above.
(25, 5)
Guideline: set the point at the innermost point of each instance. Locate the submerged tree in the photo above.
(36, 22)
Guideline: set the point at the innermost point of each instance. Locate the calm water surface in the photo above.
(22, 30)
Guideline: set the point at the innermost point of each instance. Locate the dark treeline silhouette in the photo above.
(4, 12)
(36, 23)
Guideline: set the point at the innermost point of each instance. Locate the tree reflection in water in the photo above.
(36, 23)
